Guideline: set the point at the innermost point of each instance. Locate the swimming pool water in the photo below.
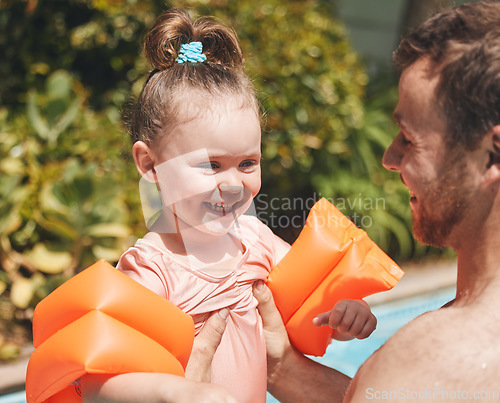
(18, 397)
(347, 356)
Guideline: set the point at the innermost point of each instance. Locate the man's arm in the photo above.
(291, 376)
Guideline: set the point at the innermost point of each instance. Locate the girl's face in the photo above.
(208, 169)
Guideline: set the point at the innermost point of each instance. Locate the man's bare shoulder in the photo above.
(443, 350)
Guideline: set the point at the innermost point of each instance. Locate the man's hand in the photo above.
(204, 347)
(291, 376)
(277, 341)
(349, 318)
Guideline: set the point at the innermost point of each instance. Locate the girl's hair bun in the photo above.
(220, 43)
(163, 41)
(174, 27)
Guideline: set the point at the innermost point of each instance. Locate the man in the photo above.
(448, 155)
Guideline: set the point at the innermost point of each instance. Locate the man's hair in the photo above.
(464, 44)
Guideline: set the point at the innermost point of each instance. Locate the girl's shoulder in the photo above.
(145, 249)
(146, 262)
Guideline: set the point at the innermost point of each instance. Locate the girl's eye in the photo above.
(248, 164)
(209, 165)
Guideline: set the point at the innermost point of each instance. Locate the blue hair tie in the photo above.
(191, 52)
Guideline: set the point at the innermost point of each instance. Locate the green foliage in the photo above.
(98, 41)
(373, 197)
(62, 201)
(59, 109)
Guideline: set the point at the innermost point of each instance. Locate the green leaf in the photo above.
(35, 117)
(110, 254)
(22, 291)
(49, 202)
(9, 351)
(73, 168)
(113, 230)
(3, 286)
(399, 230)
(84, 187)
(67, 118)
(59, 84)
(52, 111)
(10, 223)
(12, 166)
(49, 261)
(59, 225)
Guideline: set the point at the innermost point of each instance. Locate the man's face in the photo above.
(435, 174)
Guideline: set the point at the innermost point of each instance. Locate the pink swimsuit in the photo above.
(240, 361)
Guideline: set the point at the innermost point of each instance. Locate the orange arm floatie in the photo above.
(101, 321)
(331, 260)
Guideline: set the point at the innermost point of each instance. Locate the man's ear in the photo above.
(493, 146)
(144, 160)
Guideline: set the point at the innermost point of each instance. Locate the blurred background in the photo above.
(68, 186)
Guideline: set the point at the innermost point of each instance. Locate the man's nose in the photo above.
(392, 157)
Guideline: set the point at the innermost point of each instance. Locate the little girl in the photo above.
(196, 135)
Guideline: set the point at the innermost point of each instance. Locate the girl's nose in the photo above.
(392, 156)
(230, 181)
(231, 193)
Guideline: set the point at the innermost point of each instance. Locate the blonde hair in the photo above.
(177, 92)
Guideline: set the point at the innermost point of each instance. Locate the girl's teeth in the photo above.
(220, 208)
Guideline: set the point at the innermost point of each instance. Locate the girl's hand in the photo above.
(350, 319)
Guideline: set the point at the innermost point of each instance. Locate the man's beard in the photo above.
(444, 205)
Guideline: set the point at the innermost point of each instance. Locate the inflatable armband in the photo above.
(101, 321)
(331, 260)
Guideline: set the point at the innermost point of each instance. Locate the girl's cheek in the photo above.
(200, 182)
(183, 185)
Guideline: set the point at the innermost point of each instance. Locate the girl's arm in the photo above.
(156, 387)
(150, 387)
